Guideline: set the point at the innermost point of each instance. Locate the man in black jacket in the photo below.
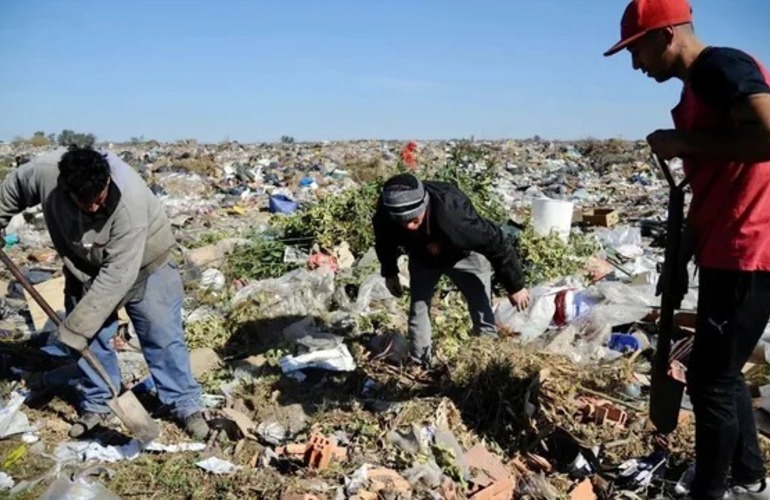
(438, 227)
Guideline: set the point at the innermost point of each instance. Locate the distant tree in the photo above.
(51, 138)
(39, 139)
(287, 139)
(137, 140)
(67, 137)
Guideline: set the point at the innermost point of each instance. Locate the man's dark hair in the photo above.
(84, 172)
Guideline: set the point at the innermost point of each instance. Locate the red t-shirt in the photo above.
(730, 206)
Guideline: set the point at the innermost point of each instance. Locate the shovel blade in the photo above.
(665, 402)
(135, 417)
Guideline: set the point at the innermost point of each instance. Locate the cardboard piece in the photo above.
(53, 293)
(604, 217)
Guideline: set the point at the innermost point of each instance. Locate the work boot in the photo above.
(486, 333)
(425, 363)
(87, 421)
(195, 426)
(757, 491)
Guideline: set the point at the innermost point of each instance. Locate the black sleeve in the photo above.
(467, 230)
(384, 243)
(723, 76)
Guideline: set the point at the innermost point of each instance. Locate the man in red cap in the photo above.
(722, 134)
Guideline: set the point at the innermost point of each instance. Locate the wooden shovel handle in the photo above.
(85, 353)
(29, 288)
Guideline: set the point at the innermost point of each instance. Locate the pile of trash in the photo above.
(300, 347)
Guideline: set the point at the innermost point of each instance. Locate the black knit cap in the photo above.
(404, 197)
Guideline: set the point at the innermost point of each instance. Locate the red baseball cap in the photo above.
(642, 16)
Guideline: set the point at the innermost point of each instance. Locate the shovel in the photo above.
(665, 392)
(126, 407)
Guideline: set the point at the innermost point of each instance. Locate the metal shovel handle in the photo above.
(663, 166)
(85, 353)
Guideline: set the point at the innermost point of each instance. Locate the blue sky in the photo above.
(253, 70)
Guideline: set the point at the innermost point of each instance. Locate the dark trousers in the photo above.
(733, 310)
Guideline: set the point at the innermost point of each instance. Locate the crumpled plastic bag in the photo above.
(428, 473)
(358, 480)
(297, 293)
(80, 488)
(6, 481)
(372, 289)
(12, 420)
(218, 466)
(338, 359)
(620, 236)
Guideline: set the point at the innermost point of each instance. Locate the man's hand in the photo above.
(678, 288)
(394, 286)
(681, 281)
(71, 339)
(666, 143)
(520, 299)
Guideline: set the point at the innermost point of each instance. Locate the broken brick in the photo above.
(499, 490)
(519, 466)
(482, 459)
(449, 489)
(382, 478)
(365, 495)
(539, 463)
(314, 451)
(481, 480)
(610, 414)
(583, 491)
(297, 496)
(319, 452)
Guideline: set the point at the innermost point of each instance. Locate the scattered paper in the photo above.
(86, 451)
(217, 466)
(176, 448)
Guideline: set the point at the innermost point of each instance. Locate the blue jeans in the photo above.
(157, 320)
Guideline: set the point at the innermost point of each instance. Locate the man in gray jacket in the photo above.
(115, 240)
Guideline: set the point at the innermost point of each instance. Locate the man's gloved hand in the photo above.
(681, 280)
(71, 339)
(680, 285)
(393, 285)
(520, 299)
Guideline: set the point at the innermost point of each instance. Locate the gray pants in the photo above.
(472, 276)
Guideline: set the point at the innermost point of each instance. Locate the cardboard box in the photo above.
(604, 217)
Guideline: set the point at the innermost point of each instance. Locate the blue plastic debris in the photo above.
(11, 239)
(623, 342)
(282, 204)
(306, 182)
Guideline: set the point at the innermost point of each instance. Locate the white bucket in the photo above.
(552, 215)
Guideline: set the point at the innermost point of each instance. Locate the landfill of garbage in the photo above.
(300, 346)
